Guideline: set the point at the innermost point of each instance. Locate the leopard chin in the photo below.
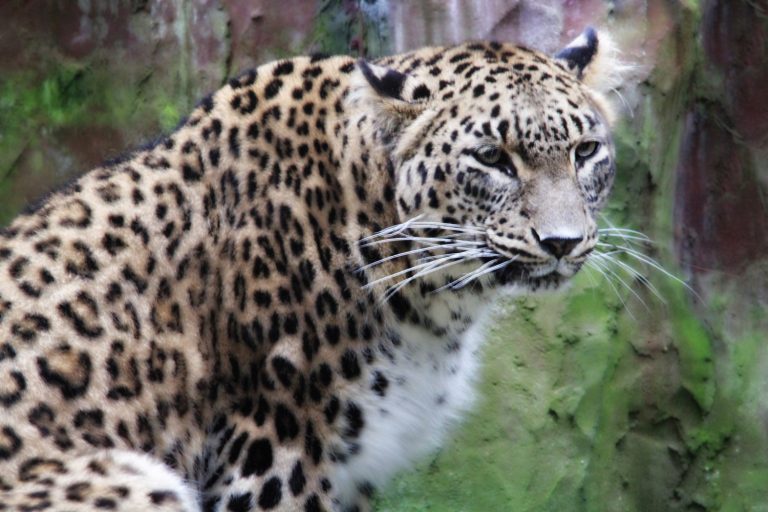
(533, 278)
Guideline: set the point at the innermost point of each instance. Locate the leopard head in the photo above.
(504, 152)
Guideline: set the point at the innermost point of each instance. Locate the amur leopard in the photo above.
(279, 305)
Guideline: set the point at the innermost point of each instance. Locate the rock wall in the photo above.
(629, 393)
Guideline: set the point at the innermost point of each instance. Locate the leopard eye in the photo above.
(488, 155)
(586, 149)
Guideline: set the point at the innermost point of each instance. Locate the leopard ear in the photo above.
(594, 59)
(392, 84)
(580, 52)
(397, 98)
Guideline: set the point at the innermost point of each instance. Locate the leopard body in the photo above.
(216, 322)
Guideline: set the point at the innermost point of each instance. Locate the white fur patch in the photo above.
(607, 70)
(429, 389)
(142, 471)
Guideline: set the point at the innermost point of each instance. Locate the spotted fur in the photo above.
(216, 322)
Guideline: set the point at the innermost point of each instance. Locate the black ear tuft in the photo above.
(394, 99)
(388, 82)
(580, 52)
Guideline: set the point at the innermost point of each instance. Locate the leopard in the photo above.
(280, 304)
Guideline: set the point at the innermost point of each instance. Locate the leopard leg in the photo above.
(110, 480)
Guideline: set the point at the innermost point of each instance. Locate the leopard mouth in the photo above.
(547, 275)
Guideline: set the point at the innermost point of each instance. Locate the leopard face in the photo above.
(517, 152)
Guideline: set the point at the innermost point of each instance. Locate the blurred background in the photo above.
(628, 392)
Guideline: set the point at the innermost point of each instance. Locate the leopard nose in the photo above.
(557, 246)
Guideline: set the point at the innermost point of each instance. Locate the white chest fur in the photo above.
(429, 384)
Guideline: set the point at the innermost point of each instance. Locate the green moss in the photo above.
(69, 95)
(168, 114)
(34, 109)
(695, 349)
(547, 363)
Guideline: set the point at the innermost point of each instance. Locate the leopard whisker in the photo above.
(485, 269)
(634, 238)
(457, 283)
(447, 227)
(613, 228)
(495, 268)
(448, 257)
(605, 261)
(633, 272)
(592, 263)
(415, 223)
(480, 253)
(431, 268)
(628, 235)
(625, 231)
(392, 230)
(644, 258)
(423, 240)
(457, 245)
(631, 239)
